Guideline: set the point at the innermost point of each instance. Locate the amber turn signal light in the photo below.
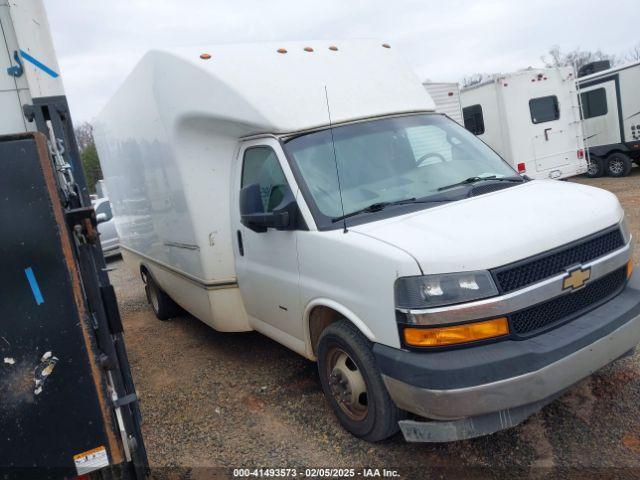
(468, 332)
(629, 268)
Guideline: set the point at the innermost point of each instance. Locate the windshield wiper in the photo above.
(374, 207)
(471, 180)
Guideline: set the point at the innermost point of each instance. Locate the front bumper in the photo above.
(496, 377)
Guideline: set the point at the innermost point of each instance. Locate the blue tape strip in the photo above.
(35, 288)
(38, 64)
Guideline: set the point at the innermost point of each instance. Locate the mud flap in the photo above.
(436, 431)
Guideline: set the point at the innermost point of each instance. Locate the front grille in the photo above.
(523, 273)
(566, 307)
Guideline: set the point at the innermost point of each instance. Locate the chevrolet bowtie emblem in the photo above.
(576, 278)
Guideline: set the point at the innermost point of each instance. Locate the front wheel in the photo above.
(353, 385)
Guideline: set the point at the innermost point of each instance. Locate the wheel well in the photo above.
(319, 319)
(144, 272)
(616, 151)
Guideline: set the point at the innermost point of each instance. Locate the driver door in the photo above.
(267, 262)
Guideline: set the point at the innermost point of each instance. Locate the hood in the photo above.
(498, 228)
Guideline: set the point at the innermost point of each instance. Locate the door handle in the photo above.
(240, 245)
(546, 133)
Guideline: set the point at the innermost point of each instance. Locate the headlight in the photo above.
(430, 291)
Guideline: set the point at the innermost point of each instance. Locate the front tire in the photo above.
(618, 165)
(162, 305)
(353, 385)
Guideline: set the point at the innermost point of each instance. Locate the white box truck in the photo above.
(446, 96)
(532, 119)
(611, 118)
(310, 192)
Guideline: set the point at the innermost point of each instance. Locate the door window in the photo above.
(594, 103)
(261, 166)
(544, 109)
(473, 119)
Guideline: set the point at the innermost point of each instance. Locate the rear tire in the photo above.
(353, 385)
(618, 165)
(595, 168)
(162, 305)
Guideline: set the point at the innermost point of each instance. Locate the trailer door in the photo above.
(556, 122)
(552, 142)
(600, 110)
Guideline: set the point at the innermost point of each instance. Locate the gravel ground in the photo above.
(214, 399)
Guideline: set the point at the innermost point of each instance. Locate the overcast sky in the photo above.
(99, 42)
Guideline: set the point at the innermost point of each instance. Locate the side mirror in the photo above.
(283, 214)
(101, 218)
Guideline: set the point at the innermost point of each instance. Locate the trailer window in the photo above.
(473, 119)
(261, 166)
(594, 103)
(544, 109)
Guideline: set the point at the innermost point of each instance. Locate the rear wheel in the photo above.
(162, 305)
(618, 165)
(353, 385)
(595, 168)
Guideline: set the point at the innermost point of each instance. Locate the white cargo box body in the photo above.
(446, 96)
(167, 161)
(532, 119)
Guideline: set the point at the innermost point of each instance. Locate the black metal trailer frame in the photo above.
(67, 399)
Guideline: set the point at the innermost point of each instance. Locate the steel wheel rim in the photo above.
(347, 384)
(616, 166)
(592, 169)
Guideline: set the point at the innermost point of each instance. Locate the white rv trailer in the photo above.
(611, 109)
(532, 119)
(446, 96)
(310, 191)
(30, 66)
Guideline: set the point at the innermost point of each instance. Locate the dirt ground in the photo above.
(214, 399)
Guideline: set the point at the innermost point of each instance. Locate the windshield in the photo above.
(388, 160)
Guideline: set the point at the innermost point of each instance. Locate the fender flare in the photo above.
(342, 310)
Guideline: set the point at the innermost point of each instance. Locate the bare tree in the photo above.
(557, 58)
(84, 135)
(475, 79)
(633, 55)
(88, 154)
